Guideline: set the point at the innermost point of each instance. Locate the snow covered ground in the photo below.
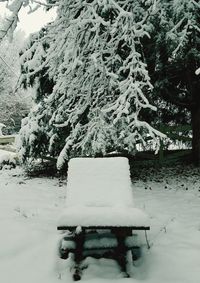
(7, 157)
(30, 208)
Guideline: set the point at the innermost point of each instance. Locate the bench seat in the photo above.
(103, 217)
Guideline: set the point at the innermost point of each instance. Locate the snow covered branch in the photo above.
(14, 6)
(10, 22)
(101, 81)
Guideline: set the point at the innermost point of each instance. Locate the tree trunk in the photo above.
(196, 135)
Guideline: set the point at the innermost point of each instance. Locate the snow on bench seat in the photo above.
(103, 216)
(99, 193)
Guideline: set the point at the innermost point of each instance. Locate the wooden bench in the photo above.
(100, 218)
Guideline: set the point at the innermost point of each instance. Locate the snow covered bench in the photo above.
(99, 203)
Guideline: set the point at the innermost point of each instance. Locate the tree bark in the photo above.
(196, 135)
(195, 119)
(192, 84)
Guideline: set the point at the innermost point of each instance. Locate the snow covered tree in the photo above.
(157, 53)
(101, 82)
(173, 57)
(187, 58)
(35, 128)
(9, 65)
(13, 106)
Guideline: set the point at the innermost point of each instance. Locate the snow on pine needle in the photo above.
(100, 79)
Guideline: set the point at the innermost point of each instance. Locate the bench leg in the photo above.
(121, 254)
(78, 256)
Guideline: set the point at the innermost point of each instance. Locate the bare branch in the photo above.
(10, 22)
(45, 4)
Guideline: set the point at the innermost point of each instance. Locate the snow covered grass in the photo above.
(30, 208)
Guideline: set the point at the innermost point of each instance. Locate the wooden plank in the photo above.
(176, 136)
(104, 227)
(7, 139)
(7, 147)
(175, 128)
(177, 155)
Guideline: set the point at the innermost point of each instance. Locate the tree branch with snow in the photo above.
(101, 81)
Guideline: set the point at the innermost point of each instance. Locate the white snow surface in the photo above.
(99, 182)
(29, 209)
(103, 216)
(197, 72)
(6, 156)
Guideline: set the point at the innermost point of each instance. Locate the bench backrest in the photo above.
(99, 182)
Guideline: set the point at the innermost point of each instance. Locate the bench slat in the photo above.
(104, 227)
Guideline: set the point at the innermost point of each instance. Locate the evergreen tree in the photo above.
(173, 56)
(34, 133)
(100, 79)
(186, 17)
(14, 105)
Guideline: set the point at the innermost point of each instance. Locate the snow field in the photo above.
(30, 208)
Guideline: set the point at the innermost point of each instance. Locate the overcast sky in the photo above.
(31, 22)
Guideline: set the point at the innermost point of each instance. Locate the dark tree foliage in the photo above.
(173, 55)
